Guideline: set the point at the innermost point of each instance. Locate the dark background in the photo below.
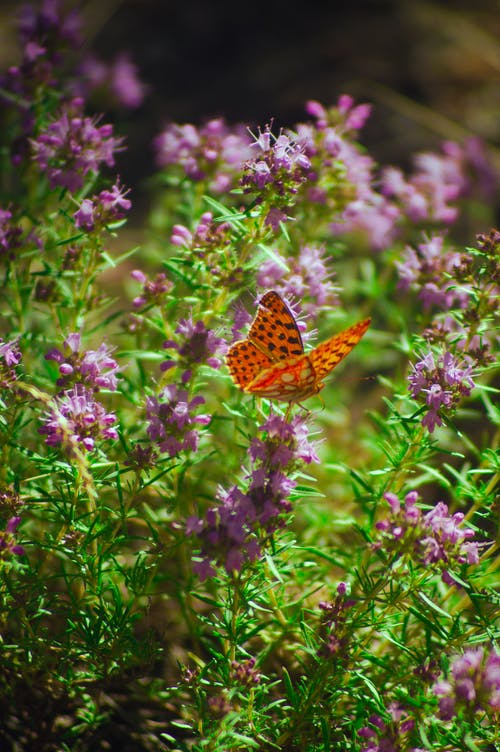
(431, 70)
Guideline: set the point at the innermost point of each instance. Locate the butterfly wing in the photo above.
(245, 361)
(329, 353)
(274, 330)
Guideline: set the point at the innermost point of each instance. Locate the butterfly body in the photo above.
(289, 380)
(272, 363)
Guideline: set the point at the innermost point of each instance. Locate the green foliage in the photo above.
(125, 623)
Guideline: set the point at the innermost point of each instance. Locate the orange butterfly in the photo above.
(272, 363)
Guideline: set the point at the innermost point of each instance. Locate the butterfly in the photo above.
(272, 363)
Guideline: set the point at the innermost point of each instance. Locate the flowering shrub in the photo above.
(186, 567)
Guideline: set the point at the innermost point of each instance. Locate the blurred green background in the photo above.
(431, 70)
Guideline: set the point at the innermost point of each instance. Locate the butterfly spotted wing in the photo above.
(274, 330)
(273, 336)
(329, 353)
(271, 362)
(245, 361)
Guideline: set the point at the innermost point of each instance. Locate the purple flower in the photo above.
(430, 269)
(355, 116)
(209, 241)
(10, 353)
(72, 146)
(427, 195)
(9, 235)
(10, 500)
(45, 34)
(308, 276)
(282, 436)
(125, 83)
(49, 25)
(198, 345)
(333, 632)
(276, 173)
(345, 115)
(241, 320)
(225, 535)
(474, 685)
(274, 218)
(10, 357)
(372, 216)
(431, 193)
(8, 545)
(95, 369)
(342, 177)
(118, 80)
(440, 385)
(344, 185)
(171, 420)
(142, 458)
(101, 210)
(214, 153)
(433, 539)
(77, 420)
(244, 672)
(154, 292)
(231, 533)
(207, 236)
(388, 734)
(84, 217)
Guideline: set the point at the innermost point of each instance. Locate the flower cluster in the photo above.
(154, 291)
(45, 33)
(441, 384)
(207, 236)
(463, 285)
(439, 181)
(430, 269)
(101, 210)
(346, 116)
(219, 706)
(119, 79)
(9, 235)
(306, 278)
(210, 243)
(95, 369)
(390, 735)
(474, 685)
(276, 173)
(245, 673)
(343, 176)
(333, 632)
(10, 501)
(213, 153)
(198, 345)
(427, 195)
(72, 146)
(241, 319)
(232, 532)
(141, 458)
(10, 357)
(49, 25)
(372, 216)
(77, 420)
(171, 420)
(356, 199)
(8, 545)
(433, 539)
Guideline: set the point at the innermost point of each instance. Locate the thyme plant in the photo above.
(186, 567)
